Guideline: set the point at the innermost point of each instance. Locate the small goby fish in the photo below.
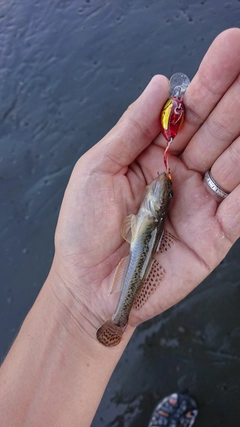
(144, 232)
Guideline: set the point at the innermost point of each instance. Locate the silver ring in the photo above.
(214, 186)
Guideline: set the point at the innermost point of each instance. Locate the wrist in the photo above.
(58, 359)
(76, 317)
(88, 364)
(73, 314)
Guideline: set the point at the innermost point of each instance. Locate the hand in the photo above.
(108, 182)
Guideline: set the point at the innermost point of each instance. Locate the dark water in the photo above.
(68, 71)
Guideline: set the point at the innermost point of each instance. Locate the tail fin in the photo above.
(109, 334)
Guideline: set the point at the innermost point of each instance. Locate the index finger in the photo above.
(218, 70)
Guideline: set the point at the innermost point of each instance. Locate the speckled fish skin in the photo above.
(146, 235)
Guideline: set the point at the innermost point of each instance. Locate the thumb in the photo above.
(136, 129)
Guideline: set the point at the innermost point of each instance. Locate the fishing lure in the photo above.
(172, 115)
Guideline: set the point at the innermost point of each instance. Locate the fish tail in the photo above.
(109, 334)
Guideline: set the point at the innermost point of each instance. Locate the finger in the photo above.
(136, 129)
(219, 130)
(228, 214)
(218, 70)
(225, 170)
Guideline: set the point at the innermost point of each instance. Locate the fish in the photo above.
(144, 232)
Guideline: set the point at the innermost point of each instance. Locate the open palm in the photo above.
(108, 183)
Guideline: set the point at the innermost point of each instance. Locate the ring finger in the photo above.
(225, 170)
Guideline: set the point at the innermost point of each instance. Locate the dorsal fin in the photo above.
(129, 227)
(118, 276)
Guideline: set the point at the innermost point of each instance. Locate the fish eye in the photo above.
(170, 194)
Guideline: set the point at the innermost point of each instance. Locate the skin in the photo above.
(56, 371)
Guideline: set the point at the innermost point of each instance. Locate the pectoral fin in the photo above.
(119, 275)
(129, 227)
(151, 283)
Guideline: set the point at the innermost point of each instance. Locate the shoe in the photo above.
(176, 410)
